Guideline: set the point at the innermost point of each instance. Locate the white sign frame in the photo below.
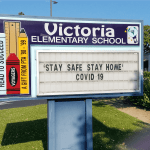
(91, 49)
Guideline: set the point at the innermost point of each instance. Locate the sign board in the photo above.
(59, 58)
(82, 72)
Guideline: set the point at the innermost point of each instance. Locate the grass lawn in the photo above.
(26, 128)
(111, 127)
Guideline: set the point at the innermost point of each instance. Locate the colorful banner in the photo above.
(23, 57)
(15, 69)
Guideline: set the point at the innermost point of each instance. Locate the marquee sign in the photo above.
(82, 72)
(43, 57)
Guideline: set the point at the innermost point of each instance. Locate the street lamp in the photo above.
(54, 2)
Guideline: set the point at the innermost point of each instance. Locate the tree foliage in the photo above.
(20, 13)
(146, 39)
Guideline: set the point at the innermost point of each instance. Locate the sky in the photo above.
(95, 9)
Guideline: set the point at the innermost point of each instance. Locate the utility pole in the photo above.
(54, 2)
(51, 7)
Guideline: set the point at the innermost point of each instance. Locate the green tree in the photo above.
(20, 13)
(146, 39)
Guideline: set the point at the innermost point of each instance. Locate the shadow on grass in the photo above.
(22, 132)
(104, 137)
(121, 102)
(109, 138)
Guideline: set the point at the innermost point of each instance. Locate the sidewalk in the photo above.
(139, 141)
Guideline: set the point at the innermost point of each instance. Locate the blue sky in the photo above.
(105, 9)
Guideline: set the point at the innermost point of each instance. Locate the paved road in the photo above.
(22, 103)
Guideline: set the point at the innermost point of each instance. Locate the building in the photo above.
(147, 62)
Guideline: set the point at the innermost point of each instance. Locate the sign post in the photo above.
(70, 125)
(69, 62)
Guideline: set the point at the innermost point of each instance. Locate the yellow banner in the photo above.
(24, 69)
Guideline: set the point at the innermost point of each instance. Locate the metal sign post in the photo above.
(67, 61)
(70, 125)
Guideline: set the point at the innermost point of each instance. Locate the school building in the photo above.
(147, 62)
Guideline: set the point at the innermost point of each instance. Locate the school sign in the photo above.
(58, 58)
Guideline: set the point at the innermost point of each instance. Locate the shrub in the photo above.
(145, 99)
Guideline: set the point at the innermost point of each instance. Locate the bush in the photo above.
(146, 74)
(145, 99)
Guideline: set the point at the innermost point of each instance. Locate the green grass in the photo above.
(26, 128)
(111, 127)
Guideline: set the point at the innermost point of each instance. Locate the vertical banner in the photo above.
(2, 64)
(23, 56)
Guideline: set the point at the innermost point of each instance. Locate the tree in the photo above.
(20, 13)
(146, 39)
